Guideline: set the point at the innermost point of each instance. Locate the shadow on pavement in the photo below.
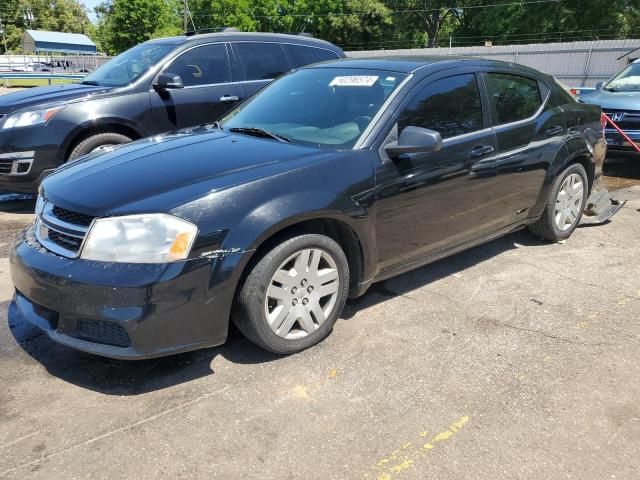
(622, 171)
(120, 377)
(415, 279)
(17, 203)
(116, 377)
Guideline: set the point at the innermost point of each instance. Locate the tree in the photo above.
(125, 23)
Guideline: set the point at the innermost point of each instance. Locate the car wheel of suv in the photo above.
(565, 205)
(294, 294)
(97, 141)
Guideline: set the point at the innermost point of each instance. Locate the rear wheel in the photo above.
(294, 294)
(96, 142)
(565, 205)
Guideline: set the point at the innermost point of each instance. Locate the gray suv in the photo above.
(157, 86)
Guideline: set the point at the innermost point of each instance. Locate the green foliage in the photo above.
(125, 23)
(56, 15)
(353, 24)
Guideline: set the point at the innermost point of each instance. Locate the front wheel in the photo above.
(96, 142)
(294, 294)
(565, 205)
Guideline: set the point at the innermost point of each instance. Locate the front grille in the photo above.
(72, 217)
(5, 166)
(106, 333)
(59, 230)
(630, 120)
(65, 241)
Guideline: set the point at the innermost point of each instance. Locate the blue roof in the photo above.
(45, 41)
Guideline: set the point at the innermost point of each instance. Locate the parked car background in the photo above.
(619, 98)
(154, 87)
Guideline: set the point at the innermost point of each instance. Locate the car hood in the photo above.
(613, 100)
(161, 173)
(30, 97)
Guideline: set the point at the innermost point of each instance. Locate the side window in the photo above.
(513, 97)
(301, 55)
(202, 66)
(262, 61)
(450, 106)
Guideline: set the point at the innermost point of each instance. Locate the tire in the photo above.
(98, 140)
(289, 320)
(548, 226)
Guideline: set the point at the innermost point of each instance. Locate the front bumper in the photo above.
(616, 142)
(125, 311)
(40, 145)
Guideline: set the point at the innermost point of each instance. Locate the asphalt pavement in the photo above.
(515, 360)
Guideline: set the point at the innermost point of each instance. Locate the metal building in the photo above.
(577, 64)
(41, 41)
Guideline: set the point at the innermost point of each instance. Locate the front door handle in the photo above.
(555, 130)
(481, 151)
(229, 98)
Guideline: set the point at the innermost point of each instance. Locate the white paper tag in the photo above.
(354, 81)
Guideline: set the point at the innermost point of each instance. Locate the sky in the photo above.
(90, 4)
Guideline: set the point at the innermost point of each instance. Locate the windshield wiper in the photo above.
(260, 132)
(90, 82)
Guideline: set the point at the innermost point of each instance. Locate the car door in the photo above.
(209, 89)
(429, 202)
(530, 132)
(259, 63)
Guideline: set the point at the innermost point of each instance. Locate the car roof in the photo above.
(246, 36)
(410, 64)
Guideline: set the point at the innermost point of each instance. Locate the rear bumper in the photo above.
(125, 311)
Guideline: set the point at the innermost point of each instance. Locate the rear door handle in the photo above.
(229, 98)
(555, 130)
(481, 151)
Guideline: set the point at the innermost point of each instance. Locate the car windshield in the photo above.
(627, 80)
(128, 66)
(324, 107)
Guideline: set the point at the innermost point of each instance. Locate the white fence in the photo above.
(578, 64)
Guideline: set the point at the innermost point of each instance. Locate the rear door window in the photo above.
(301, 55)
(513, 97)
(262, 60)
(450, 106)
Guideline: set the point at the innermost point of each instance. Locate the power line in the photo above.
(392, 12)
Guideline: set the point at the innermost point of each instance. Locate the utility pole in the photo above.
(186, 14)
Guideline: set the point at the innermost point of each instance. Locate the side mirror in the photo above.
(415, 140)
(599, 85)
(168, 81)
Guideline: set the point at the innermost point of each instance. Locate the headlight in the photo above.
(26, 119)
(147, 238)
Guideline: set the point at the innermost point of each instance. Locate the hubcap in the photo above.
(302, 293)
(569, 202)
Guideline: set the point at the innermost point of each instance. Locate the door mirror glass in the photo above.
(599, 85)
(415, 140)
(167, 81)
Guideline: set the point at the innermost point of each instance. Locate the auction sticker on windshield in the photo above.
(354, 81)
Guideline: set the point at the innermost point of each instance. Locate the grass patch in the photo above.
(33, 82)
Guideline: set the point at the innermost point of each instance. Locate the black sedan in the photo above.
(333, 177)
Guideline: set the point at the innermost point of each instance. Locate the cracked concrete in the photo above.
(517, 359)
